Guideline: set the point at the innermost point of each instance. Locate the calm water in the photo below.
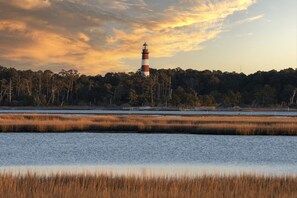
(241, 153)
(153, 112)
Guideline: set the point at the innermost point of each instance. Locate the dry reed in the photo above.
(231, 125)
(109, 187)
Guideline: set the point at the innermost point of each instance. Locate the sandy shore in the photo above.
(153, 170)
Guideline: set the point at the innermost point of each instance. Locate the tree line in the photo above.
(164, 88)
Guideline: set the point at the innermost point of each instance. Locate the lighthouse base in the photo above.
(145, 73)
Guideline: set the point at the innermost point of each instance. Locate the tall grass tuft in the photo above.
(231, 125)
(109, 187)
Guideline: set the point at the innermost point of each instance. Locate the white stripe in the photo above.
(145, 62)
(145, 73)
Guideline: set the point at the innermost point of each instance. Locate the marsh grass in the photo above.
(231, 125)
(108, 187)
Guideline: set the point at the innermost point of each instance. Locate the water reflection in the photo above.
(168, 153)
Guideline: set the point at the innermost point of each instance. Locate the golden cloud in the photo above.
(9, 26)
(98, 39)
(84, 37)
(28, 4)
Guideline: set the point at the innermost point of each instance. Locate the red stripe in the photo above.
(145, 68)
(145, 56)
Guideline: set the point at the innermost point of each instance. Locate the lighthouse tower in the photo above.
(145, 68)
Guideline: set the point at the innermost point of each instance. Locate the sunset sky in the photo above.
(99, 36)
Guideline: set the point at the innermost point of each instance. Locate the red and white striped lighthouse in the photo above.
(145, 68)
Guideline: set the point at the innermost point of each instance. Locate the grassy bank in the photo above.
(104, 186)
(232, 125)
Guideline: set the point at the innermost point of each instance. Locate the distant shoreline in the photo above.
(148, 108)
(285, 112)
(170, 124)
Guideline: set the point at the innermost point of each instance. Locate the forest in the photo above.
(163, 88)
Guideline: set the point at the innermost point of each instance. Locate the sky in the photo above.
(100, 36)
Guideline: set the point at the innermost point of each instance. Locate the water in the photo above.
(151, 112)
(167, 152)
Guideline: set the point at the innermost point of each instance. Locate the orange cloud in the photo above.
(98, 39)
(181, 29)
(9, 26)
(83, 37)
(28, 4)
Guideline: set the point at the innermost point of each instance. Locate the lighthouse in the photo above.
(145, 68)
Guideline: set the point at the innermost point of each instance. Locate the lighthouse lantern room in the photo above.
(145, 68)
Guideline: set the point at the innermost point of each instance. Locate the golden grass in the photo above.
(109, 187)
(237, 125)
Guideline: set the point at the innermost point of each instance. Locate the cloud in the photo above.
(250, 19)
(11, 26)
(95, 36)
(83, 37)
(28, 4)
